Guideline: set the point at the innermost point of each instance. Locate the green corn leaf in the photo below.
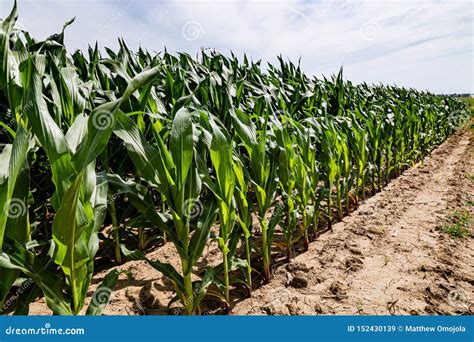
(202, 232)
(16, 257)
(14, 192)
(101, 296)
(200, 288)
(181, 144)
(102, 121)
(71, 253)
(46, 130)
(146, 158)
(26, 298)
(221, 158)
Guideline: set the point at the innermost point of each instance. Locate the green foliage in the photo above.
(173, 146)
(458, 225)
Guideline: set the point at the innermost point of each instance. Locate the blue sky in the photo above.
(423, 44)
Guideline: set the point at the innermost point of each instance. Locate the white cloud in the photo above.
(421, 44)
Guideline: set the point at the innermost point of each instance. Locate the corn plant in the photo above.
(244, 214)
(223, 189)
(189, 144)
(286, 175)
(173, 172)
(263, 167)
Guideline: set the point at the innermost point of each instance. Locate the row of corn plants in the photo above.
(168, 148)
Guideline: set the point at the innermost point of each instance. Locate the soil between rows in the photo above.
(387, 257)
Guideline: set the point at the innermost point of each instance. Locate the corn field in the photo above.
(123, 152)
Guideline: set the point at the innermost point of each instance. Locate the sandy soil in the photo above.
(388, 257)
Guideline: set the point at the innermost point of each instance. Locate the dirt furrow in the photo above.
(389, 256)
